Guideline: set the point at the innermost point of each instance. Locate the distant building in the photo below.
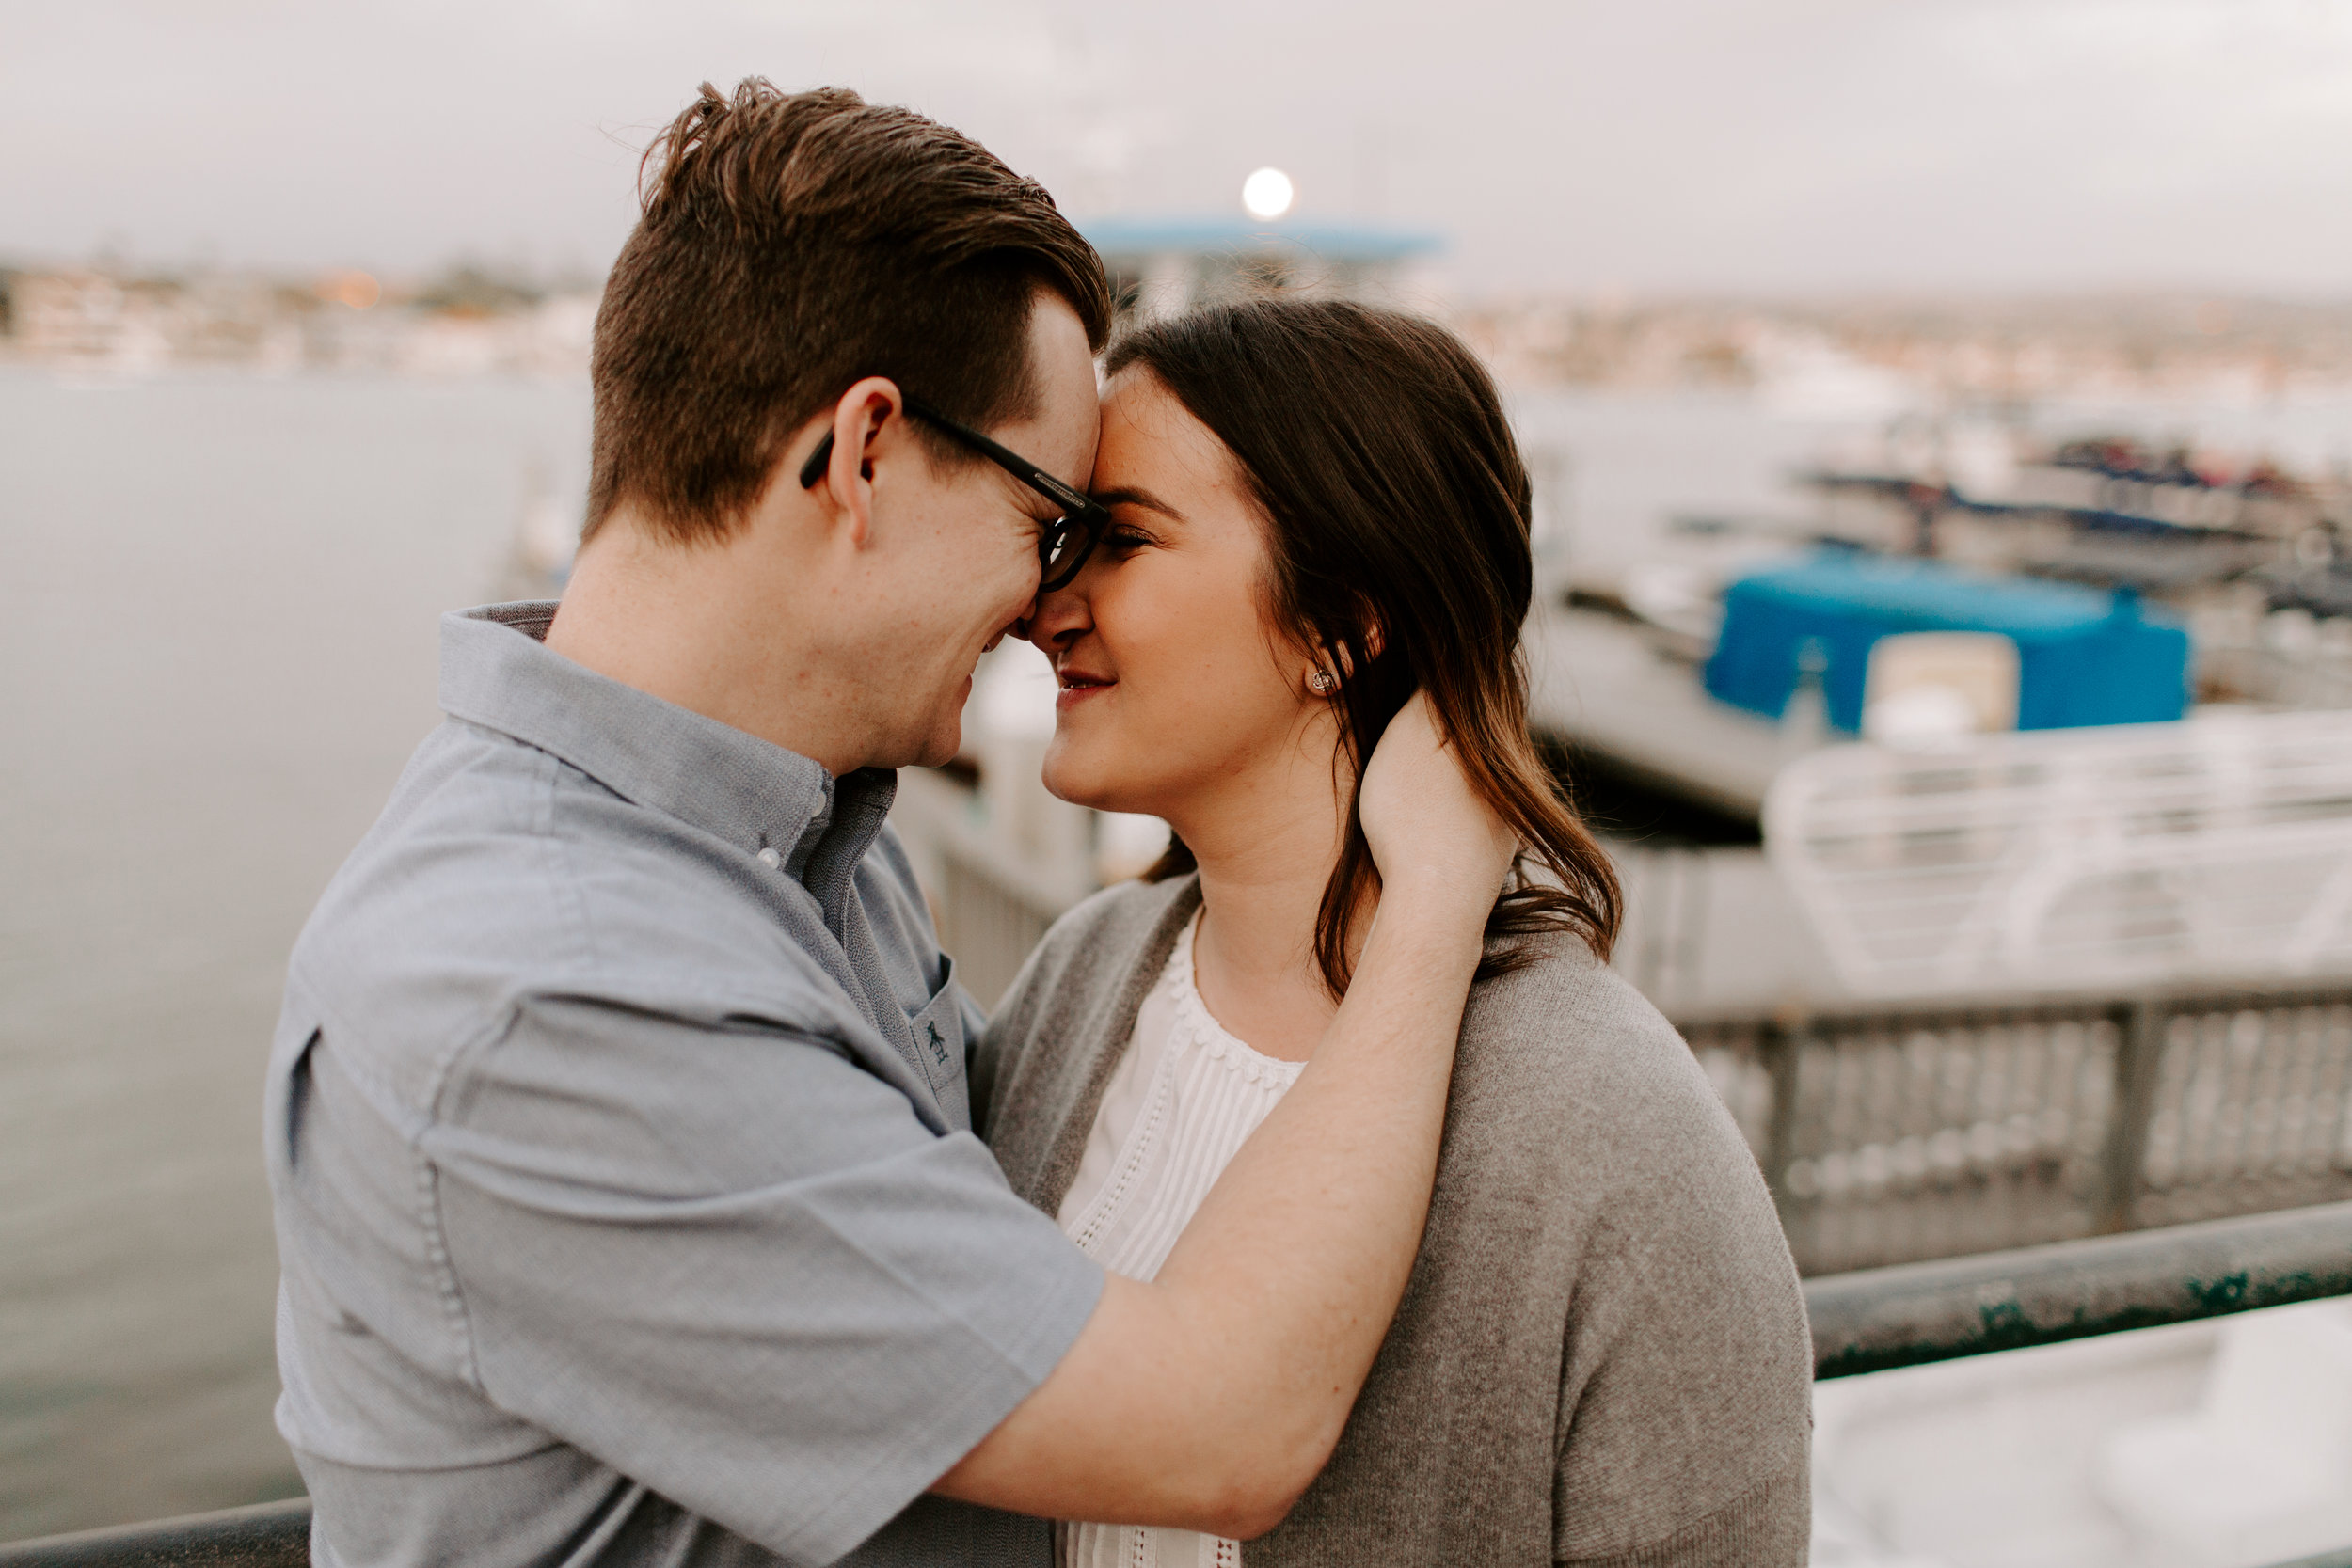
(104, 321)
(1160, 266)
(85, 317)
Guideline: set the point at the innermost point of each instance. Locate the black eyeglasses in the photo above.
(1069, 539)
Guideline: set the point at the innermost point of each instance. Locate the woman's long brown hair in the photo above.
(1396, 505)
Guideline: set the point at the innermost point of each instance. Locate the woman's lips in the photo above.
(1076, 691)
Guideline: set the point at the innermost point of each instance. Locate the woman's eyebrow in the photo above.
(1137, 496)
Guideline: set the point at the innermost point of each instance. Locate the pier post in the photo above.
(1779, 1041)
(2139, 1028)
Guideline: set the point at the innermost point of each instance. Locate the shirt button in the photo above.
(770, 858)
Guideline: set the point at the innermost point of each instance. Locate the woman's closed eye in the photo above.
(1124, 541)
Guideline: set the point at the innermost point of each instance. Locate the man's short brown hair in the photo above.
(790, 245)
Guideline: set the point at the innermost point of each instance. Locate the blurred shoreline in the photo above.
(1856, 356)
(113, 323)
(1958, 351)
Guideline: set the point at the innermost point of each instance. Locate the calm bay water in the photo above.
(217, 601)
(217, 605)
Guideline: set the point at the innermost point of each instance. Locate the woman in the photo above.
(1318, 509)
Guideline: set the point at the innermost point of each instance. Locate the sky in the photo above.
(1599, 147)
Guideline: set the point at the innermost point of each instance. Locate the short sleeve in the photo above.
(731, 1263)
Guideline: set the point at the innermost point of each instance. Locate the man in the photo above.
(618, 1130)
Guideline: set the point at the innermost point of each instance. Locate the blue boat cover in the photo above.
(2084, 656)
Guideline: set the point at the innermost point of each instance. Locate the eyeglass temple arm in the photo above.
(1012, 461)
(813, 469)
(821, 454)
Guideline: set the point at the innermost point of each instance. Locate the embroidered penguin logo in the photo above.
(939, 1046)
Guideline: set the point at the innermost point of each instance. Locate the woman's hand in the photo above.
(1431, 833)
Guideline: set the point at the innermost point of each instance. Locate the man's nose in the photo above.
(1055, 619)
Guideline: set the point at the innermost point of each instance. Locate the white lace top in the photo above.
(1179, 1104)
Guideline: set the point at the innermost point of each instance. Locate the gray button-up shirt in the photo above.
(628, 1204)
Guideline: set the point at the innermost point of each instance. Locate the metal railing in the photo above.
(1869, 1321)
(1892, 1135)
(268, 1535)
(1912, 1314)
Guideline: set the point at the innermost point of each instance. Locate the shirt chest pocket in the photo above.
(938, 1031)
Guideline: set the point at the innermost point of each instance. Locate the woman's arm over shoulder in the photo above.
(1685, 1424)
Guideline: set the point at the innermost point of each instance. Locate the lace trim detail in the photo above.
(1139, 1546)
(1113, 1197)
(1197, 1027)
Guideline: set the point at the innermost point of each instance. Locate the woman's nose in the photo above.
(1056, 618)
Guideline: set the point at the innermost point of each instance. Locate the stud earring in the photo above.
(1323, 683)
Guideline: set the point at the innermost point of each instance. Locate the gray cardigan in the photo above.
(1601, 1357)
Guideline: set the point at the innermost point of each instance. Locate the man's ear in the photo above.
(863, 421)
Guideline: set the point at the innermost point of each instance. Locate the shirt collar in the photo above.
(495, 673)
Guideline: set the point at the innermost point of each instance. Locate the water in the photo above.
(217, 649)
(218, 603)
